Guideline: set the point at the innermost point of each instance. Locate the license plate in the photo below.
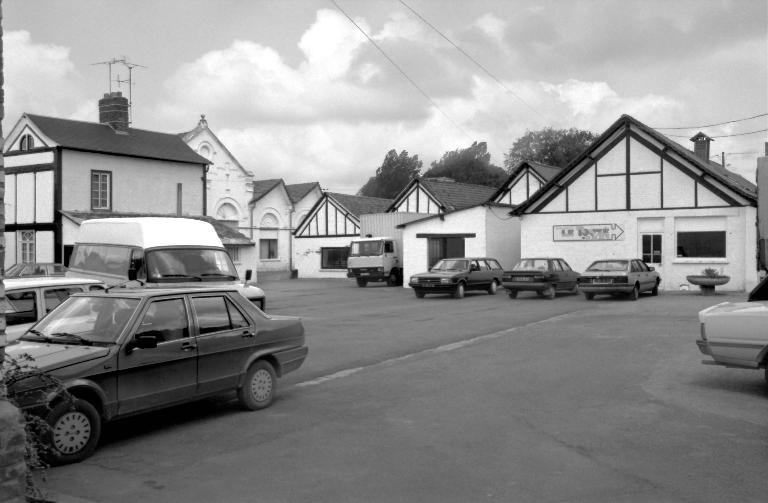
(602, 282)
(525, 278)
(365, 274)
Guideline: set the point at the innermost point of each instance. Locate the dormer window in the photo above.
(27, 142)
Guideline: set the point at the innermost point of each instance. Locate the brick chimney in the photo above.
(113, 110)
(701, 145)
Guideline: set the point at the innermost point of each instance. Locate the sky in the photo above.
(321, 90)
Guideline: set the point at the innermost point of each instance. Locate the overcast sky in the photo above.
(296, 91)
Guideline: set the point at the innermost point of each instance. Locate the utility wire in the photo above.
(713, 125)
(414, 84)
(720, 136)
(510, 91)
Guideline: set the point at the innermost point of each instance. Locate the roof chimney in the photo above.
(113, 110)
(701, 145)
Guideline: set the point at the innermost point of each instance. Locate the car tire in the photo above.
(259, 386)
(549, 293)
(75, 429)
(493, 287)
(589, 295)
(392, 279)
(361, 282)
(512, 294)
(458, 293)
(635, 293)
(419, 294)
(655, 290)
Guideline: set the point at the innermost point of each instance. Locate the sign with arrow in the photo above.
(593, 232)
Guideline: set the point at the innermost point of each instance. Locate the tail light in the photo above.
(703, 332)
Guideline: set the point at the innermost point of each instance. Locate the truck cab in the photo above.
(375, 259)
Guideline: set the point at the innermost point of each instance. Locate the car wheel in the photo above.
(392, 279)
(361, 282)
(635, 293)
(75, 431)
(512, 294)
(549, 292)
(589, 295)
(459, 292)
(575, 288)
(655, 290)
(259, 386)
(419, 294)
(493, 287)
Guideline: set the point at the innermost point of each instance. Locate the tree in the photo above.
(556, 147)
(393, 174)
(469, 165)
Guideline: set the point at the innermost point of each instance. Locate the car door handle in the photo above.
(188, 346)
(246, 333)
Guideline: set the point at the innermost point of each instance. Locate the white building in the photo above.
(636, 193)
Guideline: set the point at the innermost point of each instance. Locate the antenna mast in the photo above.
(122, 60)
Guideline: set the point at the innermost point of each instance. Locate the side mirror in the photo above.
(141, 341)
(248, 274)
(132, 274)
(651, 268)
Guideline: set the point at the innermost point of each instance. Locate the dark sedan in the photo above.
(545, 276)
(457, 275)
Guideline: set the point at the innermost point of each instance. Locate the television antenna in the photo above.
(122, 60)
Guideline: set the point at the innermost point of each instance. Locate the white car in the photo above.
(28, 300)
(734, 334)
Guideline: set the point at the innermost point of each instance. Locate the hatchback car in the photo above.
(457, 275)
(128, 351)
(27, 300)
(545, 276)
(619, 276)
(27, 269)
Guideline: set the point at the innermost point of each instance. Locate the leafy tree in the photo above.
(469, 165)
(393, 174)
(556, 147)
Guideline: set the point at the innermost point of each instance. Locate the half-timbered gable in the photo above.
(439, 195)
(524, 180)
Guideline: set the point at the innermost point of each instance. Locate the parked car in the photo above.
(27, 300)
(545, 276)
(457, 275)
(733, 333)
(616, 276)
(127, 351)
(35, 269)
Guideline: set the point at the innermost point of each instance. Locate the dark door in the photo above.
(168, 373)
(446, 247)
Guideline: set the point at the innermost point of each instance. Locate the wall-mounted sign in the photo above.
(594, 232)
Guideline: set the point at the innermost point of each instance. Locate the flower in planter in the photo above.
(711, 272)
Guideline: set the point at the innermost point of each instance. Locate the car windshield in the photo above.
(451, 265)
(183, 264)
(531, 264)
(365, 248)
(609, 265)
(85, 320)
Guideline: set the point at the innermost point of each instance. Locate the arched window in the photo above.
(227, 211)
(205, 151)
(269, 221)
(27, 142)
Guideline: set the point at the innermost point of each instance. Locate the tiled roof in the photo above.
(95, 137)
(456, 195)
(227, 234)
(263, 187)
(362, 205)
(297, 191)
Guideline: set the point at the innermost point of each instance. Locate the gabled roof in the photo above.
(735, 182)
(451, 195)
(297, 191)
(227, 234)
(102, 138)
(546, 171)
(263, 187)
(361, 205)
(202, 125)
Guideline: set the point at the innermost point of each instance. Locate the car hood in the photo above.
(47, 356)
(438, 274)
(735, 309)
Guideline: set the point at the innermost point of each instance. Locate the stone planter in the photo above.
(707, 284)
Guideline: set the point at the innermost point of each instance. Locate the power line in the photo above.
(713, 125)
(510, 91)
(414, 84)
(722, 135)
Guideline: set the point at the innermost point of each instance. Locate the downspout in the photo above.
(205, 189)
(290, 239)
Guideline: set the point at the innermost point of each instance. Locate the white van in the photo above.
(160, 251)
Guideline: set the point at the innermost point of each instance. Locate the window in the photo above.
(651, 248)
(215, 314)
(55, 296)
(166, 320)
(234, 253)
(267, 249)
(27, 246)
(27, 142)
(101, 190)
(334, 258)
(21, 307)
(701, 244)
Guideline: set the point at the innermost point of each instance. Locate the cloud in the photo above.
(40, 79)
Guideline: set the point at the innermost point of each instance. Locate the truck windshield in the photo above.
(181, 264)
(365, 248)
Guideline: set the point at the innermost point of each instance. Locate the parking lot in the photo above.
(440, 399)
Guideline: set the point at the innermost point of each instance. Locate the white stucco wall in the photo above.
(739, 223)
(503, 236)
(138, 185)
(307, 257)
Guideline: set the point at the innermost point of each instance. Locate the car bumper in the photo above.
(433, 288)
(370, 276)
(291, 359)
(741, 355)
(535, 286)
(592, 288)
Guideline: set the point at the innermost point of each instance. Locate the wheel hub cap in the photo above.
(71, 432)
(261, 385)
